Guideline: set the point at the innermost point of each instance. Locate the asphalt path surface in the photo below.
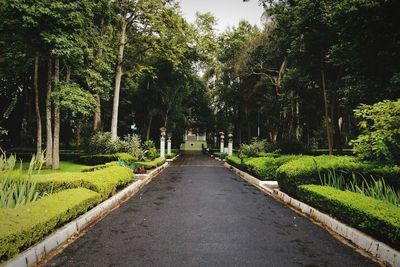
(198, 213)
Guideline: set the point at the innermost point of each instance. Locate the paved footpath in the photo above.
(198, 213)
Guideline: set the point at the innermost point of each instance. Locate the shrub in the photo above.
(98, 167)
(105, 181)
(101, 143)
(252, 149)
(307, 170)
(265, 168)
(380, 132)
(170, 156)
(236, 162)
(27, 224)
(375, 217)
(99, 159)
(151, 164)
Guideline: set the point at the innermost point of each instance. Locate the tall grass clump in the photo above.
(375, 188)
(17, 189)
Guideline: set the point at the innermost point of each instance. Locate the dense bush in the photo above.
(375, 217)
(27, 224)
(307, 170)
(252, 149)
(151, 164)
(98, 159)
(170, 156)
(101, 143)
(98, 167)
(265, 168)
(105, 181)
(380, 132)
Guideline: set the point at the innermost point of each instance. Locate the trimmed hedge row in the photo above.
(307, 170)
(375, 217)
(99, 159)
(105, 181)
(99, 167)
(25, 225)
(151, 164)
(263, 168)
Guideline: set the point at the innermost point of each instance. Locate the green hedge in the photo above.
(105, 181)
(98, 167)
(170, 156)
(375, 217)
(306, 169)
(263, 168)
(151, 164)
(98, 159)
(25, 225)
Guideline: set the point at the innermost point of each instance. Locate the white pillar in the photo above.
(222, 143)
(162, 147)
(230, 145)
(169, 146)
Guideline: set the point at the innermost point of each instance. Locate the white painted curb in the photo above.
(377, 249)
(36, 253)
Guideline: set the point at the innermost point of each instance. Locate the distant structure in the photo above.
(194, 140)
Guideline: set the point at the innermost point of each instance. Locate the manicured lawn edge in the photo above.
(27, 224)
(378, 250)
(36, 253)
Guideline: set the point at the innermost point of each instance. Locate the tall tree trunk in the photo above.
(37, 107)
(49, 131)
(149, 127)
(326, 106)
(56, 137)
(118, 77)
(97, 112)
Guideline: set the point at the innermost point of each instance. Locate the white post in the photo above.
(169, 146)
(230, 145)
(222, 143)
(162, 147)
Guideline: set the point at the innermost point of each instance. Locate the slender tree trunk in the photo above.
(118, 77)
(49, 132)
(37, 107)
(56, 137)
(326, 105)
(149, 127)
(97, 112)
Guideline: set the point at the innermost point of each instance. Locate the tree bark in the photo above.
(37, 107)
(56, 137)
(326, 106)
(118, 77)
(149, 128)
(97, 112)
(49, 132)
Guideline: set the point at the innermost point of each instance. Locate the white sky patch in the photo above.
(227, 12)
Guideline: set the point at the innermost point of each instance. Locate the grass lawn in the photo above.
(65, 166)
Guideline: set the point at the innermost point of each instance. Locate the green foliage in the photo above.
(170, 156)
(101, 143)
(25, 225)
(148, 165)
(380, 132)
(375, 217)
(150, 150)
(307, 170)
(377, 189)
(291, 145)
(252, 149)
(263, 168)
(98, 167)
(105, 181)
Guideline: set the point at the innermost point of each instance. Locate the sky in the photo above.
(227, 12)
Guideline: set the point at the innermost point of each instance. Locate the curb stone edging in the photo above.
(373, 247)
(38, 252)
